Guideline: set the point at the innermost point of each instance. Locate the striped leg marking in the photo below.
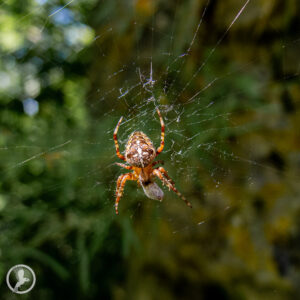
(120, 188)
(169, 183)
(162, 139)
(125, 166)
(121, 156)
(165, 173)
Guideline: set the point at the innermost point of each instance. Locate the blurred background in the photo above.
(226, 80)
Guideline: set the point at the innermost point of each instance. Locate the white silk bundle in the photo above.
(153, 191)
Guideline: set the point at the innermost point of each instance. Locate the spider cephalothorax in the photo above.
(139, 154)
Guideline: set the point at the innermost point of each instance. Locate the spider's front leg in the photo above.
(160, 173)
(120, 188)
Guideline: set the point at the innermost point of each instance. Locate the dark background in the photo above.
(230, 101)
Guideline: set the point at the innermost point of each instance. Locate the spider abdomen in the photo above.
(140, 151)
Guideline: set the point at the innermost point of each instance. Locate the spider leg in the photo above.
(165, 173)
(125, 166)
(165, 181)
(121, 156)
(157, 162)
(120, 187)
(169, 183)
(162, 139)
(118, 183)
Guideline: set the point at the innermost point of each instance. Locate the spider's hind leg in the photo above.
(160, 173)
(165, 173)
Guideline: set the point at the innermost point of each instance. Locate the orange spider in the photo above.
(139, 154)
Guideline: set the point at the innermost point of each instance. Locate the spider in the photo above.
(139, 154)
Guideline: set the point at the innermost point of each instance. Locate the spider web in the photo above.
(209, 124)
(204, 112)
(217, 120)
